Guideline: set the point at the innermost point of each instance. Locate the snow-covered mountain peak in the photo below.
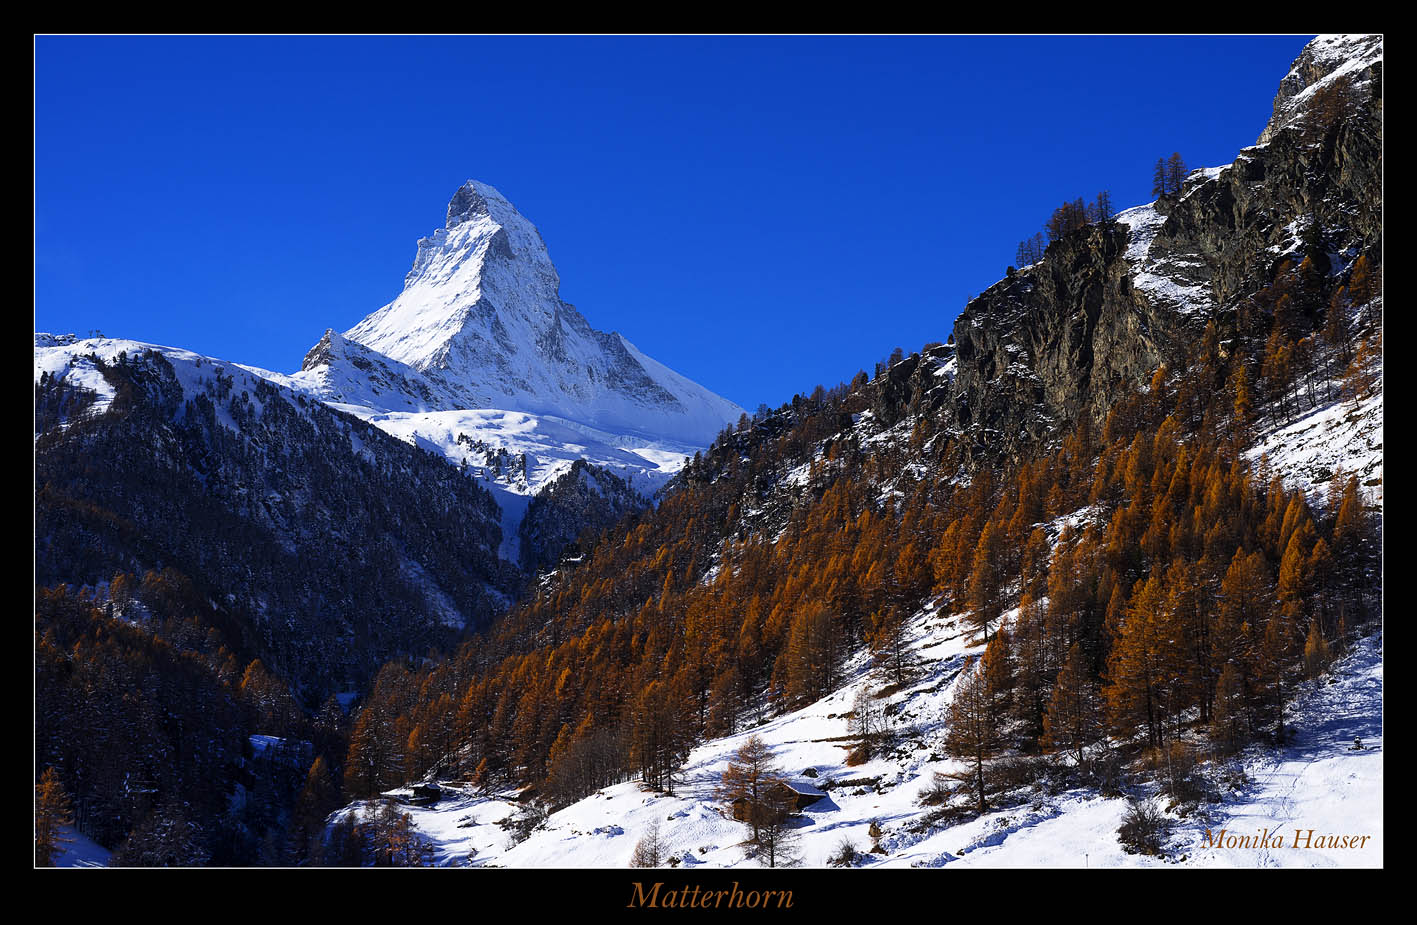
(481, 314)
(475, 199)
(479, 360)
(482, 224)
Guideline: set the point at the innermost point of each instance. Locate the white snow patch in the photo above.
(1338, 436)
(1157, 277)
(80, 850)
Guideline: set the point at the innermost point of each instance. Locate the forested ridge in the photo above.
(216, 562)
(305, 527)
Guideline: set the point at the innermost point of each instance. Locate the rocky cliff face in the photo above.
(1112, 301)
(1051, 342)
(1328, 58)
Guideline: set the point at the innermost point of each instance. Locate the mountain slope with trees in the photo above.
(1113, 390)
(215, 558)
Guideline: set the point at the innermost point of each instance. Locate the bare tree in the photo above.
(868, 722)
(647, 849)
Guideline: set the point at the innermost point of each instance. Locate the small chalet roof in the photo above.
(804, 788)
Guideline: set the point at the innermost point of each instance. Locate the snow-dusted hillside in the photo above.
(1337, 436)
(515, 454)
(242, 484)
(71, 360)
(81, 851)
(1316, 782)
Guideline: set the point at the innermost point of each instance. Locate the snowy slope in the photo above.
(1317, 782)
(1338, 436)
(514, 454)
(320, 543)
(81, 851)
(68, 359)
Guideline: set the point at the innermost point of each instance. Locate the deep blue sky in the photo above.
(761, 214)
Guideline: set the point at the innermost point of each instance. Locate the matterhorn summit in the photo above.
(479, 361)
(481, 316)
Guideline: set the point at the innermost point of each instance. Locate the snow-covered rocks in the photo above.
(1324, 61)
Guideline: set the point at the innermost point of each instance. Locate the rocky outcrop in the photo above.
(1112, 301)
(1050, 342)
(1260, 211)
(1355, 58)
